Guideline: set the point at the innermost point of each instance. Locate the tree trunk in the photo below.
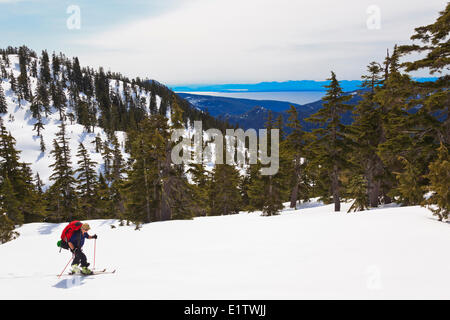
(373, 187)
(294, 196)
(295, 190)
(335, 187)
(147, 192)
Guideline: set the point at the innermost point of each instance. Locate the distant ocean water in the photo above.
(299, 97)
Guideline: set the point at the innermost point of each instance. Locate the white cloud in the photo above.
(257, 40)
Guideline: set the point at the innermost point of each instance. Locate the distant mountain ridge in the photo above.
(219, 106)
(274, 86)
(248, 113)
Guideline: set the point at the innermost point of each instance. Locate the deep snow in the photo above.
(309, 253)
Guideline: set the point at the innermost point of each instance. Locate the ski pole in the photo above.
(65, 267)
(95, 245)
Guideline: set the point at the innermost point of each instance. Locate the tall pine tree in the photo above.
(329, 145)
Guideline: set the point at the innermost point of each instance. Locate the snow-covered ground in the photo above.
(309, 253)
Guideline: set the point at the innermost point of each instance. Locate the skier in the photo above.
(76, 243)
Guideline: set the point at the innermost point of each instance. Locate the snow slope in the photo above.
(19, 121)
(309, 253)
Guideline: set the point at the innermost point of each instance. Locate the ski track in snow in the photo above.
(309, 253)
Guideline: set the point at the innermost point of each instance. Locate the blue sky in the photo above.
(219, 41)
(41, 24)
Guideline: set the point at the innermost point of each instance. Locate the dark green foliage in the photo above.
(268, 192)
(22, 80)
(357, 188)
(45, 69)
(7, 227)
(3, 105)
(224, 197)
(13, 82)
(156, 189)
(18, 193)
(434, 38)
(439, 177)
(329, 146)
(10, 202)
(293, 156)
(201, 187)
(87, 183)
(366, 133)
(409, 190)
(115, 178)
(62, 194)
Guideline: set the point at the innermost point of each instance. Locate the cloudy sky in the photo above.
(218, 41)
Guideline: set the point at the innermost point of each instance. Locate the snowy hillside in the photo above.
(312, 252)
(19, 121)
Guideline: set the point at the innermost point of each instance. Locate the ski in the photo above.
(99, 272)
(104, 271)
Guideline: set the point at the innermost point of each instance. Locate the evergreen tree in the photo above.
(117, 171)
(357, 188)
(400, 140)
(45, 69)
(32, 204)
(98, 143)
(39, 185)
(87, 181)
(255, 188)
(55, 66)
(295, 148)
(177, 199)
(430, 125)
(9, 201)
(267, 192)
(224, 193)
(156, 189)
(439, 177)
(33, 70)
(107, 160)
(3, 105)
(104, 205)
(4, 74)
(12, 81)
(22, 80)
(77, 76)
(42, 145)
(39, 106)
(7, 227)
(201, 187)
(409, 190)
(103, 99)
(142, 186)
(366, 133)
(17, 188)
(330, 143)
(62, 193)
(153, 108)
(59, 98)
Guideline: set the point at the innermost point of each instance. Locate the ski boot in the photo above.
(86, 271)
(75, 269)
